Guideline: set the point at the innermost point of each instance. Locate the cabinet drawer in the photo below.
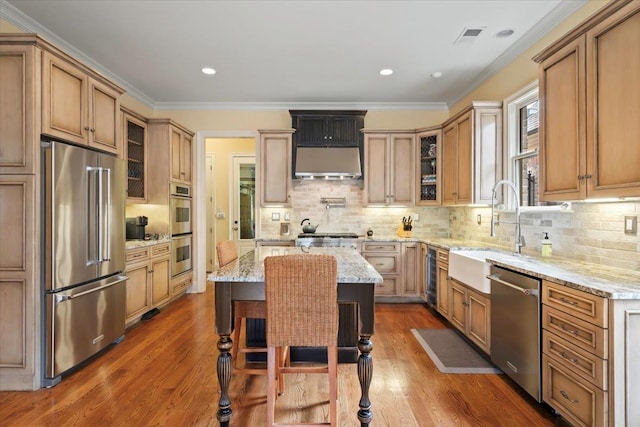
(582, 305)
(587, 365)
(381, 247)
(583, 334)
(158, 250)
(383, 263)
(181, 284)
(579, 401)
(388, 286)
(443, 256)
(137, 255)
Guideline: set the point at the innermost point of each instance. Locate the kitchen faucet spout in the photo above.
(519, 238)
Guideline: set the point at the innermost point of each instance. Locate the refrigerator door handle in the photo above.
(100, 215)
(92, 204)
(106, 226)
(61, 298)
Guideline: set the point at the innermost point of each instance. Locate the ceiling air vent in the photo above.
(469, 35)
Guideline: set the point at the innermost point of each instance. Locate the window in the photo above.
(523, 145)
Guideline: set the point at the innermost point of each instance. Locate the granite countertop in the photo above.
(352, 268)
(597, 279)
(135, 244)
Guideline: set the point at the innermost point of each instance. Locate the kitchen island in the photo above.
(243, 280)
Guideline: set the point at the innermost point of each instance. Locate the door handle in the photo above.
(526, 291)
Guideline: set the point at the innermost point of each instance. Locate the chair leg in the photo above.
(332, 358)
(236, 341)
(272, 356)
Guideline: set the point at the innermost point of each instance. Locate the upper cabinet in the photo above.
(79, 107)
(19, 116)
(274, 153)
(390, 160)
(169, 151)
(181, 153)
(327, 128)
(472, 154)
(428, 145)
(589, 107)
(135, 143)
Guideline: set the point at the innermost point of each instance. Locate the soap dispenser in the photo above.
(546, 245)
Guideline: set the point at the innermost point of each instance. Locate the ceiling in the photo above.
(291, 54)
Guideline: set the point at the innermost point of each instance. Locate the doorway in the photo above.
(242, 202)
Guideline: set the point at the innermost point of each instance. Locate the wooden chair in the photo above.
(227, 253)
(301, 293)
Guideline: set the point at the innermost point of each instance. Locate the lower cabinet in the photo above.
(385, 258)
(148, 269)
(575, 353)
(442, 278)
(469, 311)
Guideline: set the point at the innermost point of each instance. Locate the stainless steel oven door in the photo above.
(180, 215)
(180, 255)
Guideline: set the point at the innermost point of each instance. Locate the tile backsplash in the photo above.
(591, 232)
(305, 203)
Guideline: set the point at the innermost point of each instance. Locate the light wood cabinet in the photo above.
(274, 153)
(390, 165)
(19, 285)
(148, 284)
(134, 128)
(470, 312)
(429, 167)
(181, 153)
(575, 350)
(78, 107)
(472, 154)
(169, 151)
(443, 290)
(385, 257)
(589, 98)
(411, 262)
(19, 119)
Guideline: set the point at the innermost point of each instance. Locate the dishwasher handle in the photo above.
(526, 291)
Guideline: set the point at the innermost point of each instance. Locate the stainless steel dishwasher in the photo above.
(515, 327)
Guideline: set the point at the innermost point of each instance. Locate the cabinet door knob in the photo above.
(86, 128)
(580, 177)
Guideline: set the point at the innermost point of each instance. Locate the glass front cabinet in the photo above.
(429, 167)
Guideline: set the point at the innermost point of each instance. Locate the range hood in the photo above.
(328, 163)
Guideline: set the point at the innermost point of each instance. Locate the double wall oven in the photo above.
(181, 215)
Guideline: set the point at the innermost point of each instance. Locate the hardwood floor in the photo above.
(164, 373)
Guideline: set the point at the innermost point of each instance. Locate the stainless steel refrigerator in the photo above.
(83, 197)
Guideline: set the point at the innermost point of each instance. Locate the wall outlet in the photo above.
(630, 224)
(415, 217)
(275, 216)
(479, 219)
(287, 216)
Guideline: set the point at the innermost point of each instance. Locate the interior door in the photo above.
(243, 203)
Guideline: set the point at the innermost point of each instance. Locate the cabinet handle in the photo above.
(379, 264)
(564, 355)
(588, 176)
(580, 177)
(86, 128)
(566, 396)
(150, 271)
(567, 301)
(330, 137)
(92, 130)
(466, 304)
(571, 331)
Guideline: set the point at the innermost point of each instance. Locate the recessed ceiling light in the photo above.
(436, 74)
(386, 72)
(504, 33)
(208, 70)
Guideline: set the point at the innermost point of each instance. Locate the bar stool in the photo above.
(226, 250)
(301, 293)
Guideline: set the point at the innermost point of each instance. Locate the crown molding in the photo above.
(440, 106)
(551, 20)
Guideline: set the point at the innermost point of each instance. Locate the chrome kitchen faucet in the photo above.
(519, 238)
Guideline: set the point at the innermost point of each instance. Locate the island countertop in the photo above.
(352, 267)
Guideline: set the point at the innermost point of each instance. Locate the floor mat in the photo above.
(451, 354)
